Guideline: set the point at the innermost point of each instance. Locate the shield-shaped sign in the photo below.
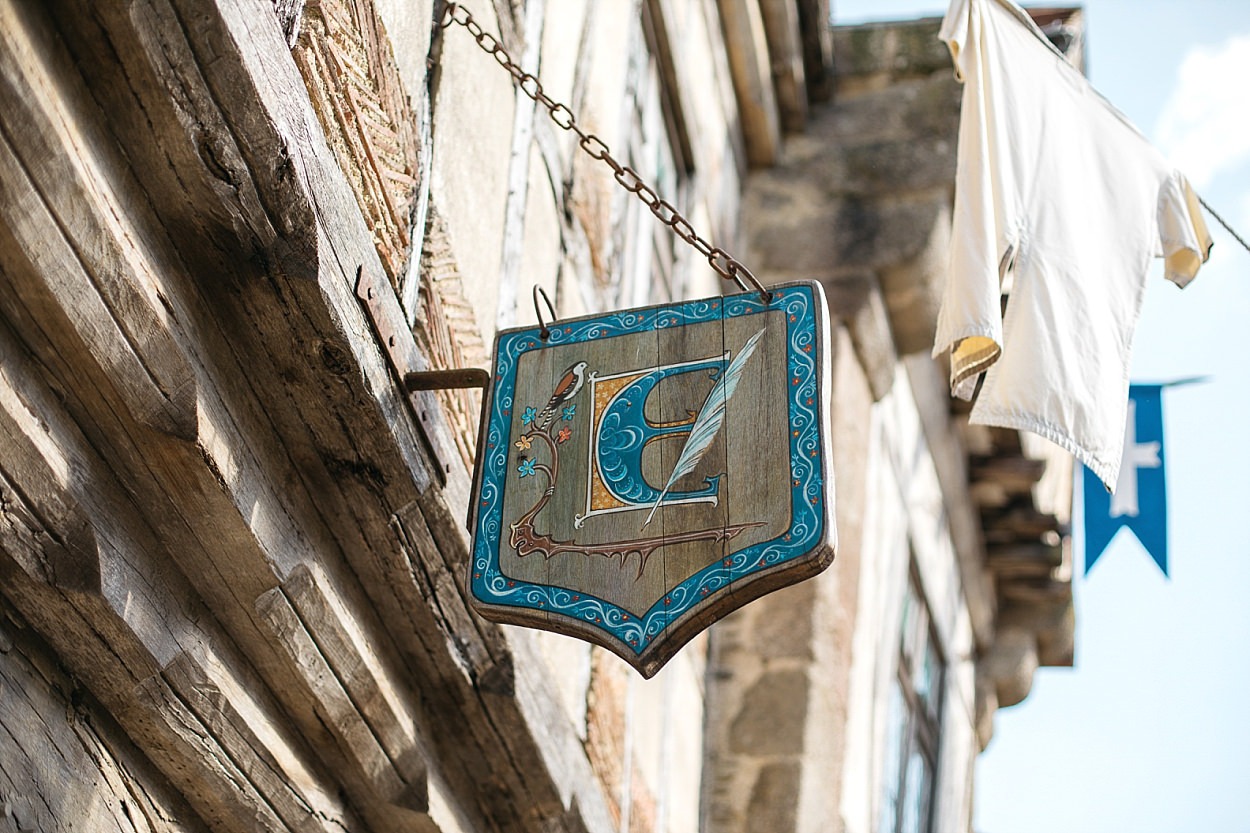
(643, 473)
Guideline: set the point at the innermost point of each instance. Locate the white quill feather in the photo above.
(707, 424)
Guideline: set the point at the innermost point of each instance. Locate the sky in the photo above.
(1150, 731)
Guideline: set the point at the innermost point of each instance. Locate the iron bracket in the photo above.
(411, 368)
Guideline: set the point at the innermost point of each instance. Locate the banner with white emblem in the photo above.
(1139, 501)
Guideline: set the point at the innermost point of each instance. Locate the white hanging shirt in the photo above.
(1059, 195)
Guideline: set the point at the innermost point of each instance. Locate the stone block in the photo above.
(899, 139)
(855, 298)
(875, 233)
(772, 716)
(985, 707)
(896, 48)
(775, 799)
(790, 230)
(790, 226)
(892, 166)
(1010, 664)
(913, 108)
(913, 288)
(783, 623)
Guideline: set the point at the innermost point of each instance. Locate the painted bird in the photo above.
(568, 386)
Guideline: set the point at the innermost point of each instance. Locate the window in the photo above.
(913, 728)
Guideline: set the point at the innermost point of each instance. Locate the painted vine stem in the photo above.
(526, 540)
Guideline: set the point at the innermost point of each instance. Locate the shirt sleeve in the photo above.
(1183, 234)
(970, 319)
(954, 32)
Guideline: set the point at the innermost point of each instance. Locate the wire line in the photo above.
(1224, 223)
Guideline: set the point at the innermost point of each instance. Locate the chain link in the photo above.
(720, 260)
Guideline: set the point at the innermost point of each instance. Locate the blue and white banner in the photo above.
(1139, 501)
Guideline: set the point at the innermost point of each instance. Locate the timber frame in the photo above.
(264, 595)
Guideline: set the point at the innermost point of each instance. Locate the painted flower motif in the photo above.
(563, 435)
(528, 416)
(527, 467)
(524, 442)
(568, 412)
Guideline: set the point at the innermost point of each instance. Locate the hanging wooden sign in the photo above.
(643, 473)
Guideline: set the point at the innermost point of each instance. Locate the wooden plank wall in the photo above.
(231, 549)
(263, 595)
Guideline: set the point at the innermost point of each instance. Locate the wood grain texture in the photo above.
(297, 447)
(64, 764)
(71, 231)
(372, 770)
(249, 731)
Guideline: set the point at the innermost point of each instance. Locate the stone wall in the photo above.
(860, 200)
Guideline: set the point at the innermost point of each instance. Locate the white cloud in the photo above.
(1204, 128)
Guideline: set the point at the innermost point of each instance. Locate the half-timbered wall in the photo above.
(231, 549)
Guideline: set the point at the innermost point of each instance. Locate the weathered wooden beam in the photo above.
(1023, 558)
(304, 450)
(785, 51)
(1019, 521)
(1014, 474)
(42, 527)
(1036, 591)
(817, 34)
(268, 754)
(65, 763)
(749, 67)
(221, 793)
(371, 777)
(510, 691)
(657, 20)
(116, 614)
(68, 251)
(380, 698)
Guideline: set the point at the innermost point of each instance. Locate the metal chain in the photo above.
(721, 261)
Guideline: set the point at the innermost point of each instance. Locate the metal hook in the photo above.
(543, 329)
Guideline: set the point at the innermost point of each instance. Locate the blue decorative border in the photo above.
(807, 495)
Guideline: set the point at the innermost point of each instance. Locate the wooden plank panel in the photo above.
(272, 762)
(358, 744)
(691, 399)
(72, 232)
(380, 698)
(758, 430)
(535, 471)
(597, 514)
